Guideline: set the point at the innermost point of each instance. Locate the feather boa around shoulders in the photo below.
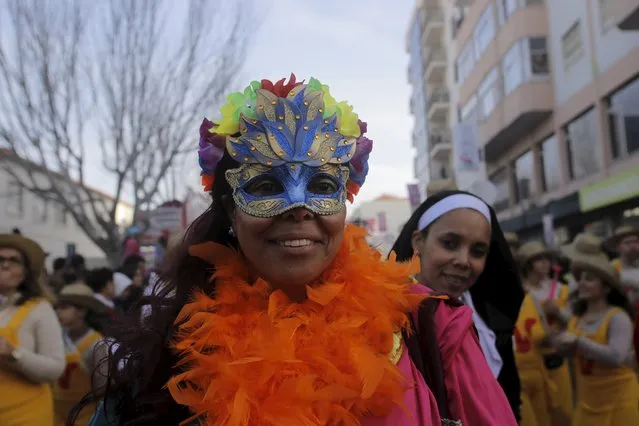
(249, 356)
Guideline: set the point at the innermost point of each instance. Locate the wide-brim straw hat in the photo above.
(512, 239)
(620, 233)
(31, 250)
(440, 185)
(586, 254)
(82, 295)
(532, 250)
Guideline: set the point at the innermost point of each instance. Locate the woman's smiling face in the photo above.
(291, 250)
(453, 251)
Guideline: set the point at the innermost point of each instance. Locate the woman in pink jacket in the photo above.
(466, 339)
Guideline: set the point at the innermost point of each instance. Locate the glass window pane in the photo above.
(525, 176)
(489, 92)
(500, 180)
(538, 56)
(624, 119)
(513, 70)
(510, 6)
(484, 30)
(584, 149)
(551, 164)
(572, 45)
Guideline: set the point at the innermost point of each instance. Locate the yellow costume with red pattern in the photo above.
(546, 394)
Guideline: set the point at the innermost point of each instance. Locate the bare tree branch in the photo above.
(116, 86)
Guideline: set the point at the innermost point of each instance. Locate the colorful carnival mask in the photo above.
(296, 146)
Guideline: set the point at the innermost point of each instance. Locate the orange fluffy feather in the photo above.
(251, 357)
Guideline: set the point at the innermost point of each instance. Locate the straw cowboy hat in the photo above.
(29, 248)
(81, 295)
(586, 255)
(440, 185)
(620, 233)
(512, 239)
(533, 250)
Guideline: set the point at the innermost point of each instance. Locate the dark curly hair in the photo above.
(143, 361)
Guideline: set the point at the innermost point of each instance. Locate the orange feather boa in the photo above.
(250, 356)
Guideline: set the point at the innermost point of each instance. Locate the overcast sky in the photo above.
(358, 49)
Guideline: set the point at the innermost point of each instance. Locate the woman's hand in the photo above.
(564, 341)
(6, 348)
(551, 309)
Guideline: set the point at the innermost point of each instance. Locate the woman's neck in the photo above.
(535, 281)
(76, 333)
(597, 306)
(432, 285)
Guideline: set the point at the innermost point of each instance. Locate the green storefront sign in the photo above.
(612, 190)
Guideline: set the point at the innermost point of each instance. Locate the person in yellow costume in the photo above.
(31, 348)
(599, 336)
(546, 391)
(79, 313)
(625, 241)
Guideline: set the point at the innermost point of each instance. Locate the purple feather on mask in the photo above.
(211, 148)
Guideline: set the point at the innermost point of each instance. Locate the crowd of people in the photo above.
(54, 330)
(272, 310)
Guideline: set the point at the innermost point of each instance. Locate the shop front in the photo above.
(597, 208)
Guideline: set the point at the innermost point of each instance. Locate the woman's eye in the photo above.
(479, 252)
(449, 243)
(262, 187)
(323, 186)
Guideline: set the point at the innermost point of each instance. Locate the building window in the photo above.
(484, 30)
(40, 209)
(469, 113)
(489, 93)
(60, 214)
(606, 14)
(525, 176)
(500, 180)
(550, 164)
(538, 56)
(513, 68)
(465, 62)
(509, 7)
(623, 114)
(572, 47)
(14, 198)
(583, 149)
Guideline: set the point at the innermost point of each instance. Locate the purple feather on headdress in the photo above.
(359, 162)
(211, 148)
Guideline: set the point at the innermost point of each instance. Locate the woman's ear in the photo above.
(418, 240)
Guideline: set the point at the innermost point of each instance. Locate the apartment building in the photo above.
(553, 87)
(430, 98)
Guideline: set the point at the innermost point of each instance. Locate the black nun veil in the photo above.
(497, 293)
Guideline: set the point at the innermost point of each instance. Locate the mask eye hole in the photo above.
(264, 186)
(322, 185)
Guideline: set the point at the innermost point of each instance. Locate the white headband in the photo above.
(453, 202)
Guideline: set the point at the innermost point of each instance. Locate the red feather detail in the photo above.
(280, 88)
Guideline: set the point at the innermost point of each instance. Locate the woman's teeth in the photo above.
(296, 243)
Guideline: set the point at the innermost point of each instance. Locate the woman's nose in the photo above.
(298, 214)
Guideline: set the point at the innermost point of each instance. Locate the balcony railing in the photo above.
(433, 16)
(438, 95)
(434, 54)
(439, 137)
